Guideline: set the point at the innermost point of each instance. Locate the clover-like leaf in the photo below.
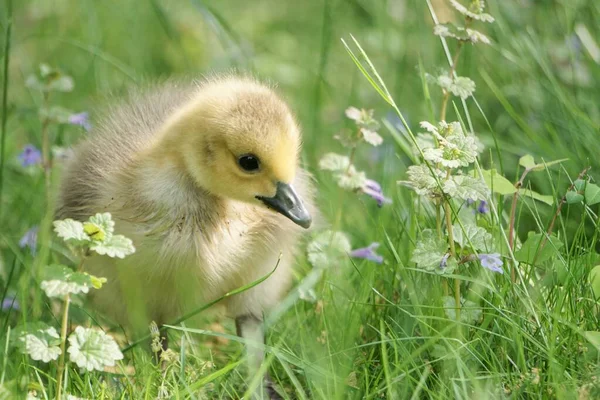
(371, 137)
(117, 246)
(99, 227)
(472, 235)
(431, 253)
(466, 187)
(460, 33)
(474, 10)
(41, 343)
(71, 231)
(334, 162)
(351, 179)
(423, 180)
(93, 349)
(470, 312)
(460, 86)
(58, 281)
(327, 248)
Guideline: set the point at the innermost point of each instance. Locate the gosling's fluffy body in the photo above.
(197, 235)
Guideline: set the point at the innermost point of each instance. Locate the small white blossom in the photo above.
(93, 349)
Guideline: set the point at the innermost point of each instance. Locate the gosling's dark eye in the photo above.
(249, 163)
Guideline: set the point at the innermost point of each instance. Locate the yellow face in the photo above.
(242, 143)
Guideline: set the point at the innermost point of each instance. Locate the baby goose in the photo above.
(204, 179)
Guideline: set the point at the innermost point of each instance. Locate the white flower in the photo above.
(93, 349)
(476, 36)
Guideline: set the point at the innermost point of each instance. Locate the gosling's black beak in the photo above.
(287, 202)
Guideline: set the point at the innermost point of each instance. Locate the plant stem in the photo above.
(63, 342)
(511, 223)
(5, 96)
(63, 337)
(446, 92)
(46, 162)
(447, 211)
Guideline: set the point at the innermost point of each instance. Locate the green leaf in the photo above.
(116, 246)
(71, 231)
(473, 235)
(58, 281)
(527, 161)
(466, 187)
(536, 196)
(593, 337)
(56, 114)
(430, 251)
(93, 349)
(334, 162)
(528, 253)
(41, 343)
(470, 312)
(573, 197)
(497, 182)
(579, 185)
(592, 194)
(327, 248)
(595, 281)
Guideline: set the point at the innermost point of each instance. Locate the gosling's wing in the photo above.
(123, 129)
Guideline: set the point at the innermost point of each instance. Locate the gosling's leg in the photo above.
(250, 327)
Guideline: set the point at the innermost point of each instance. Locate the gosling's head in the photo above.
(239, 140)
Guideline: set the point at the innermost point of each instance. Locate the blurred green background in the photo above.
(538, 90)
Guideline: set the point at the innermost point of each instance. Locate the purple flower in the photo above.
(368, 253)
(30, 156)
(483, 207)
(29, 239)
(373, 189)
(10, 303)
(81, 119)
(493, 262)
(444, 262)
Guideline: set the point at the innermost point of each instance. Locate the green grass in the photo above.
(377, 331)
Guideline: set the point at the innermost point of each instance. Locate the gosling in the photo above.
(204, 178)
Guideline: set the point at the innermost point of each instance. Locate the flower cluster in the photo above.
(344, 171)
